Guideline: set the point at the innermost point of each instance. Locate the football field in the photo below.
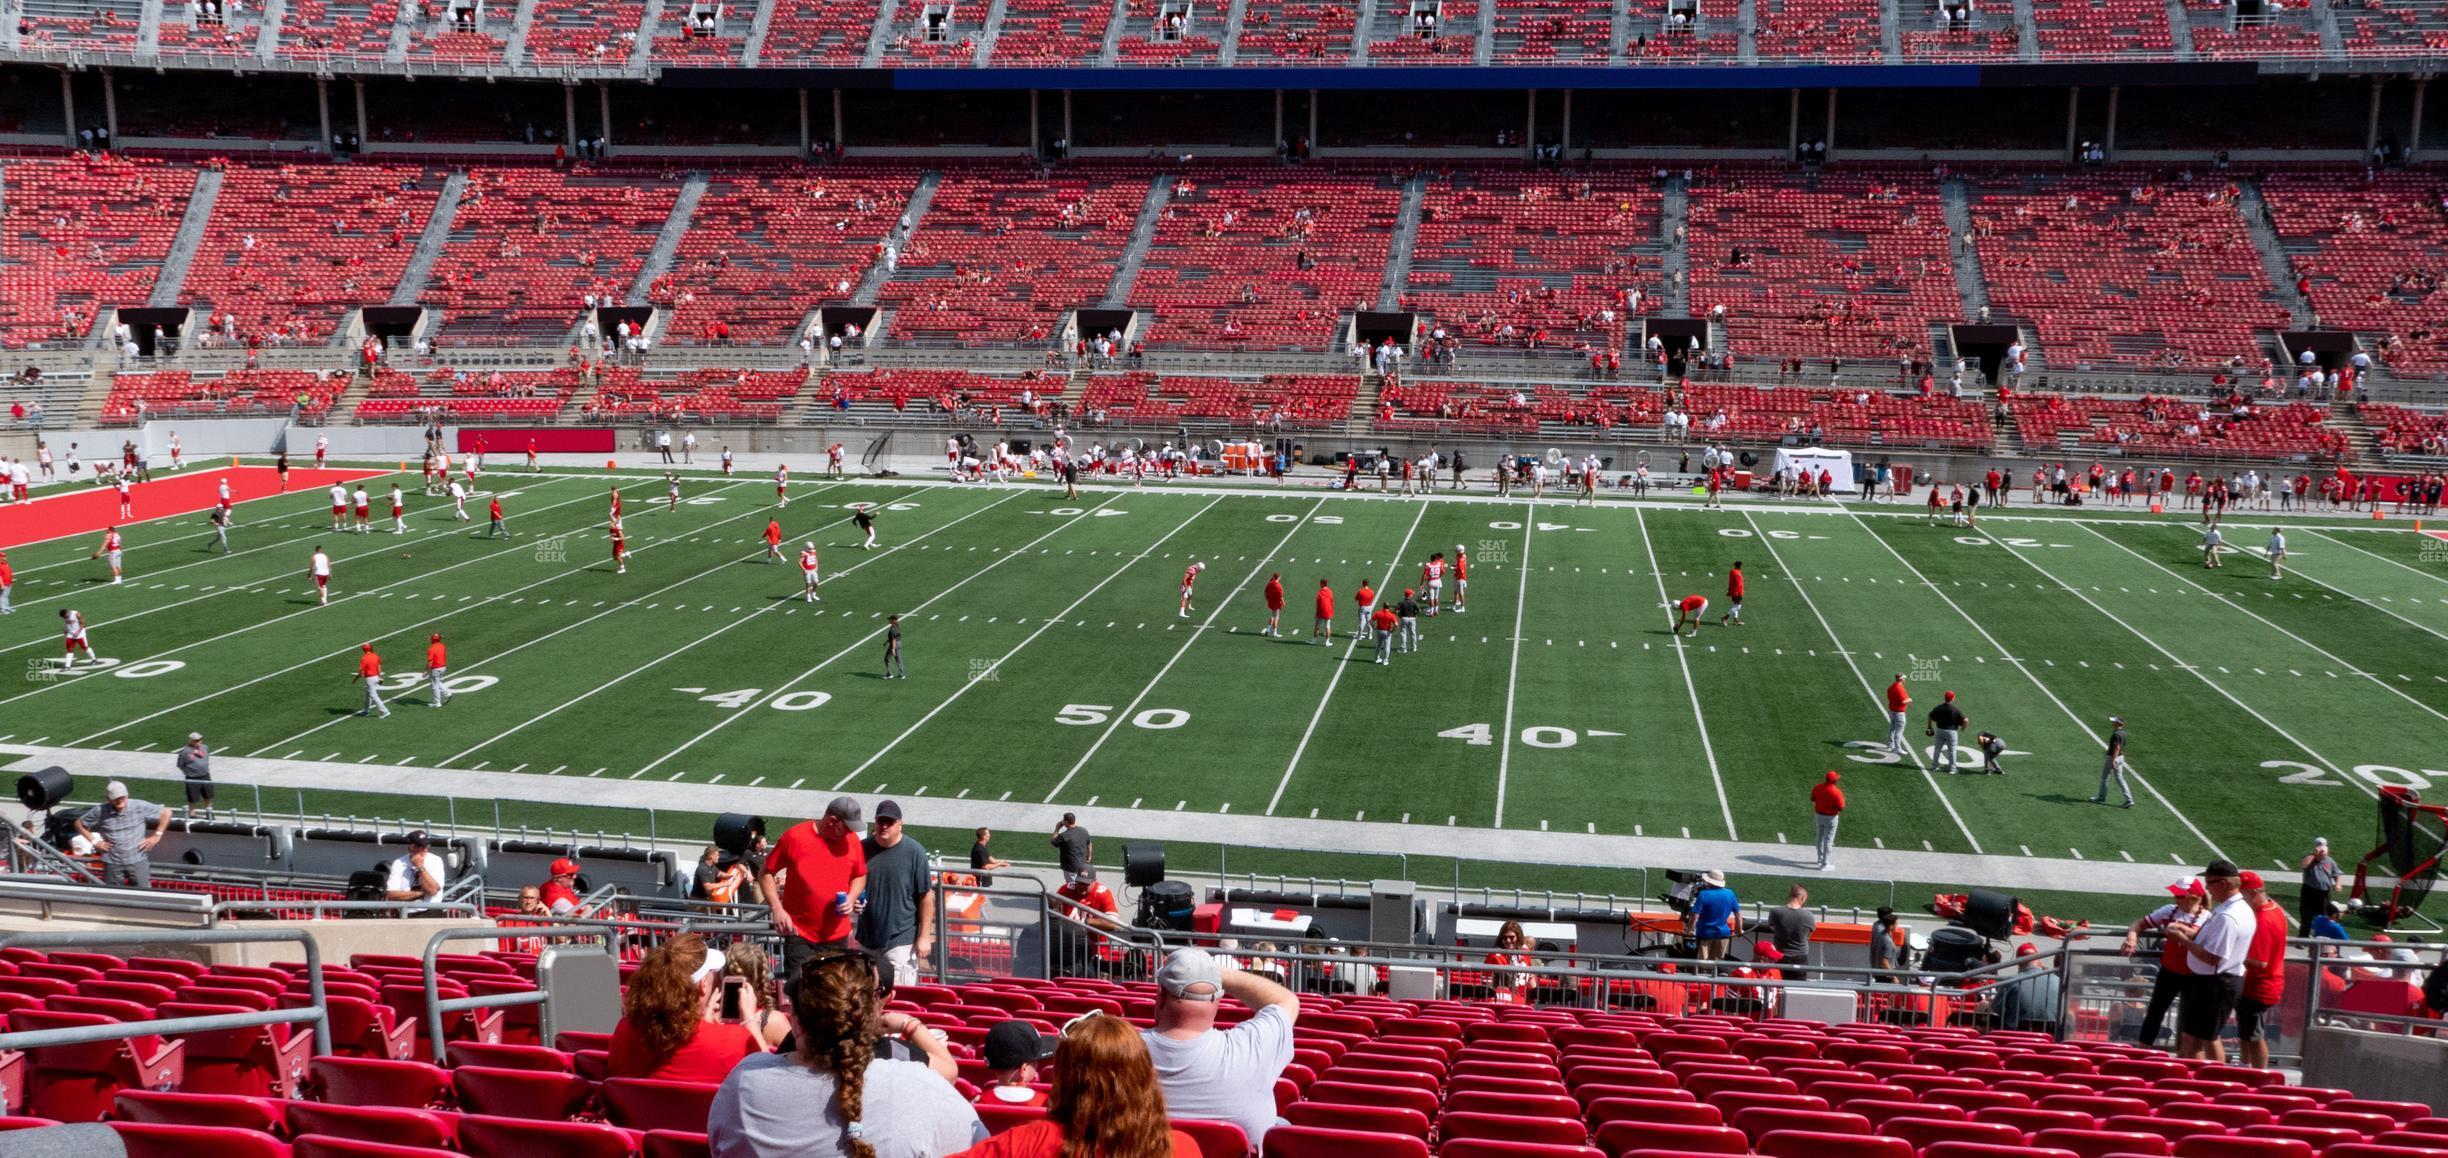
(1049, 668)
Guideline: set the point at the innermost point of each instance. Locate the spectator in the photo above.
(982, 860)
(822, 872)
(1105, 1102)
(2028, 1000)
(2327, 923)
(1827, 806)
(1512, 948)
(746, 960)
(1790, 928)
(2320, 878)
(2217, 949)
(531, 902)
(872, 1107)
(898, 918)
(117, 829)
(195, 767)
(1091, 902)
(670, 1027)
(1074, 846)
(2187, 910)
(2264, 971)
(560, 891)
(1225, 1075)
(416, 875)
(1012, 1050)
(1715, 917)
(1887, 940)
(718, 882)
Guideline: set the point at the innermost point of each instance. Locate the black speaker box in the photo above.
(735, 831)
(1990, 913)
(1167, 905)
(1143, 864)
(1953, 949)
(43, 788)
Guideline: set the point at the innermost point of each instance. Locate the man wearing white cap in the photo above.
(117, 829)
(195, 767)
(1224, 1075)
(2320, 878)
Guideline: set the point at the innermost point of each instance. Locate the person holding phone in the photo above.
(750, 996)
(674, 1022)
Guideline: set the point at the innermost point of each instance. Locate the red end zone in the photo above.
(85, 509)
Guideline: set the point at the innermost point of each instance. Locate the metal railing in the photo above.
(437, 1006)
(313, 1014)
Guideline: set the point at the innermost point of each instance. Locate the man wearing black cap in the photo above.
(2113, 772)
(2216, 951)
(1012, 1050)
(899, 919)
(417, 875)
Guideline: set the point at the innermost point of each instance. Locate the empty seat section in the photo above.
(1244, 258)
(1850, 264)
(528, 244)
(1002, 256)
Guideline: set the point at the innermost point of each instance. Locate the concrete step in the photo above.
(1399, 247)
(912, 215)
(1143, 234)
(1675, 270)
(182, 253)
(267, 38)
(516, 53)
(429, 245)
(757, 31)
(2274, 259)
(641, 53)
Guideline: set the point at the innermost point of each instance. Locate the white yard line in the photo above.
(728, 720)
(1340, 666)
(1690, 689)
(328, 656)
(2332, 656)
(748, 618)
(1050, 622)
(2034, 677)
(1521, 605)
(1911, 751)
(2195, 670)
(1187, 644)
(392, 541)
(2379, 556)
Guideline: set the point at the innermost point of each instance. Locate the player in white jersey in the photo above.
(726, 462)
(671, 493)
(441, 474)
(178, 457)
(399, 512)
(109, 550)
(339, 505)
(225, 501)
(322, 448)
(127, 497)
(72, 629)
(319, 569)
(833, 461)
(362, 508)
(1432, 580)
(807, 571)
(458, 496)
(782, 485)
(952, 453)
(42, 459)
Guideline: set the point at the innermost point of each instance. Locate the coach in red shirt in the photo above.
(1898, 702)
(2264, 971)
(823, 878)
(1827, 806)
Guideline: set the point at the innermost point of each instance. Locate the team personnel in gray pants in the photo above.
(2114, 770)
(1946, 722)
(1898, 702)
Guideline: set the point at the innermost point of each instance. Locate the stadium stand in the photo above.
(2168, 426)
(2119, 269)
(818, 32)
(1001, 259)
(2404, 430)
(562, 32)
(1553, 31)
(1050, 32)
(2070, 29)
(714, 35)
(1275, 402)
(1503, 255)
(174, 392)
(761, 250)
(529, 244)
(1240, 260)
(83, 234)
(289, 251)
(1851, 265)
(2368, 253)
(338, 29)
(1829, 30)
(393, 396)
(1288, 31)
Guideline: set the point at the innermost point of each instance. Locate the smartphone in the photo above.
(733, 998)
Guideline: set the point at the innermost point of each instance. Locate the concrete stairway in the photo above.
(1891, 30)
(1360, 32)
(1234, 13)
(2027, 32)
(1143, 234)
(880, 37)
(2180, 28)
(267, 38)
(2274, 260)
(992, 32)
(190, 238)
(516, 53)
(1399, 247)
(758, 30)
(914, 214)
(667, 243)
(1746, 29)
(1674, 272)
(148, 26)
(429, 245)
(642, 53)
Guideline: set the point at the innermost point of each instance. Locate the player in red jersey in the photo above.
(807, 571)
(1274, 602)
(1383, 624)
(1691, 610)
(616, 502)
(1461, 570)
(1937, 503)
(110, 550)
(1323, 630)
(1734, 594)
(8, 579)
(620, 549)
(833, 461)
(1364, 601)
(671, 493)
(773, 540)
(1189, 579)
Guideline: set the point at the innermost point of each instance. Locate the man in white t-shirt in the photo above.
(2215, 951)
(417, 875)
(1225, 1075)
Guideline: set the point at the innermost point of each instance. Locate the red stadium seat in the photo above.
(235, 1111)
(1545, 1131)
(1502, 1148)
(401, 1125)
(1807, 1144)
(647, 1104)
(2101, 1143)
(1606, 1110)
(488, 1137)
(498, 1055)
(326, 1146)
(1215, 1139)
(1618, 1138)
(1319, 1142)
(157, 1140)
(377, 1082)
(2234, 1146)
(1000, 1116)
(76, 1083)
(520, 1093)
(1385, 1119)
(1921, 1132)
(681, 1144)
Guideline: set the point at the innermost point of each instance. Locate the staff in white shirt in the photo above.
(2215, 949)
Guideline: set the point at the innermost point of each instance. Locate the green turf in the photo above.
(1048, 663)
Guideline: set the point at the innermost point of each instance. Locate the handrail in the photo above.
(436, 1006)
(316, 910)
(44, 857)
(86, 939)
(1037, 894)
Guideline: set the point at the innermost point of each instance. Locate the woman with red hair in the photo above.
(1105, 1103)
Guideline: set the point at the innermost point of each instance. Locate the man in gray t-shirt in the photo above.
(1790, 927)
(118, 827)
(899, 918)
(1222, 1075)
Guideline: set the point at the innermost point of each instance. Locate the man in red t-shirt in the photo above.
(1383, 623)
(1323, 631)
(1092, 902)
(560, 891)
(2190, 905)
(1365, 600)
(1898, 701)
(2264, 971)
(823, 873)
(1689, 610)
(1274, 602)
(1734, 594)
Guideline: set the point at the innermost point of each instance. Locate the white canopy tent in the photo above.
(1838, 464)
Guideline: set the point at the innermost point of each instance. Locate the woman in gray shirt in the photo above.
(871, 1107)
